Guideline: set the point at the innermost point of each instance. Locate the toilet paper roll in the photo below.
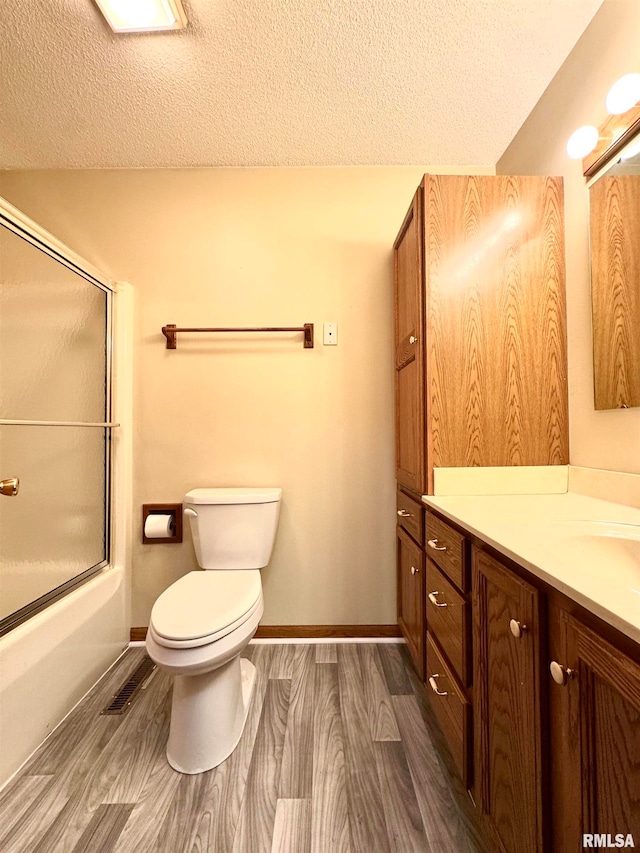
(159, 526)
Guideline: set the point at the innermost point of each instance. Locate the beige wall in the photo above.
(256, 247)
(609, 48)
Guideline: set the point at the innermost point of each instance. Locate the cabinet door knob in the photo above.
(433, 684)
(404, 514)
(412, 339)
(559, 673)
(516, 628)
(415, 570)
(432, 598)
(433, 543)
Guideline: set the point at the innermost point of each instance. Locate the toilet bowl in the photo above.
(201, 623)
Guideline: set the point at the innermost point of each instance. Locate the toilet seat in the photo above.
(205, 606)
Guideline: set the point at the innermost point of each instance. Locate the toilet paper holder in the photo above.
(175, 510)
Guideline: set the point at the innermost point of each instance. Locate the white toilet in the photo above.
(202, 622)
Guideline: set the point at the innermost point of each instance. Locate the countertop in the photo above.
(588, 549)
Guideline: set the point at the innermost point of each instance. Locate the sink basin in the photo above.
(606, 549)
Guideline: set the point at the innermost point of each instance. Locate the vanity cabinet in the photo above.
(594, 706)
(508, 709)
(448, 623)
(556, 716)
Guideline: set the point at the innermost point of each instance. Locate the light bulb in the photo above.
(582, 141)
(624, 94)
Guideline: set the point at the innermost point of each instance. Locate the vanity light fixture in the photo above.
(624, 94)
(622, 97)
(140, 16)
(582, 141)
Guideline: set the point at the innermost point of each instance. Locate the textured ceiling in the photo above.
(278, 82)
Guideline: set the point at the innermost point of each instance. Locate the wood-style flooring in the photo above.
(337, 756)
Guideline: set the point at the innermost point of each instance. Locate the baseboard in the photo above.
(327, 632)
(277, 632)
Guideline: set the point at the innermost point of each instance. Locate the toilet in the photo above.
(202, 622)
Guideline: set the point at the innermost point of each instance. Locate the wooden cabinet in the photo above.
(594, 704)
(409, 350)
(410, 561)
(480, 352)
(557, 717)
(447, 609)
(508, 712)
(452, 709)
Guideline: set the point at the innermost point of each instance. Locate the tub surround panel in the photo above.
(48, 663)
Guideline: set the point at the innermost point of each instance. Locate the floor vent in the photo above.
(123, 699)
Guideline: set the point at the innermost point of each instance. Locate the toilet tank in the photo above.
(233, 528)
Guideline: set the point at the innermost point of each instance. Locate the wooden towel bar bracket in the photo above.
(170, 332)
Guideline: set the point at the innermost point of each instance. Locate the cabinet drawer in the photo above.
(447, 547)
(448, 618)
(410, 516)
(452, 709)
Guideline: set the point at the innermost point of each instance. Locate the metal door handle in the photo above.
(10, 487)
(432, 598)
(434, 686)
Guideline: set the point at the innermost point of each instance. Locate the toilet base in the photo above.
(208, 714)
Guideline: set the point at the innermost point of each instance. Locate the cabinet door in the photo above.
(595, 736)
(410, 563)
(508, 767)
(409, 348)
(496, 357)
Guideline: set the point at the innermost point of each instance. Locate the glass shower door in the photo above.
(54, 433)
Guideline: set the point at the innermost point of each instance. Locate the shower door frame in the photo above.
(15, 221)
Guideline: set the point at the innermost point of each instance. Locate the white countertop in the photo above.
(588, 549)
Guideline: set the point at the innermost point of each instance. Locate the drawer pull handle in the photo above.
(415, 570)
(434, 686)
(432, 598)
(404, 514)
(559, 673)
(433, 543)
(516, 628)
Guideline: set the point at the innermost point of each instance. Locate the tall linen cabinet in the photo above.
(480, 352)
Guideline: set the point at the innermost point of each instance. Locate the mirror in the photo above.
(614, 224)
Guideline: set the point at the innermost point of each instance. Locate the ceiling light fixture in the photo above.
(582, 142)
(624, 94)
(140, 16)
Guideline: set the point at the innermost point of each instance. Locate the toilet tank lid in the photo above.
(233, 496)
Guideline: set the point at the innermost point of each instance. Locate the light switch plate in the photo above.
(330, 334)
